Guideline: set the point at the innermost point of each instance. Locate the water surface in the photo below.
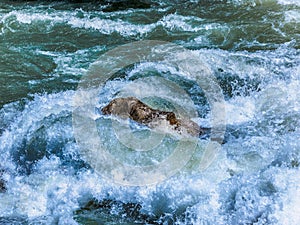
(252, 48)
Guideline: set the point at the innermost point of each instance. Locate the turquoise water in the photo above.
(250, 47)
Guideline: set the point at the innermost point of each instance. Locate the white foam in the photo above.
(240, 110)
(289, 2)
(105, 25)
(287, 208)
(43, 106)
(292, 16)
(178, 22)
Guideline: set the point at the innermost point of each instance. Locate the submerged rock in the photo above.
(2, 182)
(133, 108)
(112, 212)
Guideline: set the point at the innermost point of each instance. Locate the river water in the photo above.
(251, 47)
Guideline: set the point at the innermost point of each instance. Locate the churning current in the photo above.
(249, 48)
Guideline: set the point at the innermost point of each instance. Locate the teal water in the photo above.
(251, 47)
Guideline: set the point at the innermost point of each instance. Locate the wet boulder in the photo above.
(134, 109)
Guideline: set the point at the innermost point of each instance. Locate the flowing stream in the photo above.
(251, 48)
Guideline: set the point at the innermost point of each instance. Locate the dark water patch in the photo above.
(233, 85)
(2, 181)
(105, 5)
(294, 163)
(112, 212)
(48, 139)
(23, 90)
(117, 212)
(124, 5)
(10, 112)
